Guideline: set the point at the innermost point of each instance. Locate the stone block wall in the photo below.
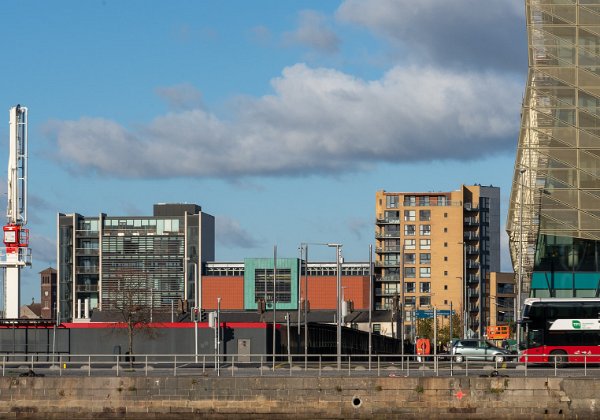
(310, 397)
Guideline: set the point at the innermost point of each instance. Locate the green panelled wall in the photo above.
(250, 266)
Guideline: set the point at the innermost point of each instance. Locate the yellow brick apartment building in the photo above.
(435, 249)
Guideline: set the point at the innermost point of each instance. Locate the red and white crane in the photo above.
(16, 237)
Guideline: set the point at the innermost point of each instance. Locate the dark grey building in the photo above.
(108, 262)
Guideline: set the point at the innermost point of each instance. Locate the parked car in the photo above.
(474, 349)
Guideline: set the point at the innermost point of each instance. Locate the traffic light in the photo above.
(195, 315)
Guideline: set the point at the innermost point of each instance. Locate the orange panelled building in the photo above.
(322, 291)
(229, 289)
(231, 283)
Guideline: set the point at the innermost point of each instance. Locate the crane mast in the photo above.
(16, 238)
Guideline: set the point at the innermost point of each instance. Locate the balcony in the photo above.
(473, 307)
(389, 263)
(87, 269)
(473, 250)
(471, 207)
(472, 264)
(87, 233)
(387, 235)
(385, 249)
(474, 293)
(472, 279)
(471, 221)
(471, 236)
(388, 220)
(86, 288)
(87, 251)
(388, 279)
(386, 292)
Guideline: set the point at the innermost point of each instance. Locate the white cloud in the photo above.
(313, 32)
(458, 33)
(317, 121)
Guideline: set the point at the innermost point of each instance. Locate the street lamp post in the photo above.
(338, 252)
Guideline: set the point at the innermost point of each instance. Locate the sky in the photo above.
(280, 118)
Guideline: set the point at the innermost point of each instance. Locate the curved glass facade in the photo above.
(554, 214)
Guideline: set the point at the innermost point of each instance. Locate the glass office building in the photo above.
(554, 214)
(104, 262)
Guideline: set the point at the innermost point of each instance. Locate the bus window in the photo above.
(535, 338)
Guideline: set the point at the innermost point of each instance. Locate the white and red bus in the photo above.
(560, 330)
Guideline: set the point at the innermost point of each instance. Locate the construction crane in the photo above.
(16, 238)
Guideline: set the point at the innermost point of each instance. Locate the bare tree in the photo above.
(135, 314)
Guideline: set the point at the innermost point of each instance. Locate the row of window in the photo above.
(393, 201)
(409, 287)
(409, 215)
(411, 230)
(424, 258)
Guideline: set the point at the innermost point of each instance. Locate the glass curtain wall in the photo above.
(554, 214)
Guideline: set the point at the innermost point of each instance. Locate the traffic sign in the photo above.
(428, 313)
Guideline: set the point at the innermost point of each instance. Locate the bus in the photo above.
(560, 330)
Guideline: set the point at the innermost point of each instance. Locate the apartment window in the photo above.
(410, 200)
(424, 201)
(425, 272)
(391, 201)
(425, 230)
(425, 259)
(445, 287)
(442, 201)
(445, 258)
(392, 217)
(409, 215)
(425, 243)
(410, 259)
(391, 245)
(410, 300)
(445, 244)
(445, 273)
(391, 231)
(424, 300)
(425, 287)
(391, 259)
(409, 287)
(410, 230)
(445, 214)
(445, 230)
(410, 244)
(410, 272)
(424, 215)
(445, 302)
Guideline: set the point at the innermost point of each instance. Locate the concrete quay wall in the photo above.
(311, 397)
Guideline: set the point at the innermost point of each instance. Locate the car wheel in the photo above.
(499, 358)
(459, 358)
(560, 358)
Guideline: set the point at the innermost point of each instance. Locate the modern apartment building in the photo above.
(435, 250)
(554, 214)
(104, 262)
(501, 299)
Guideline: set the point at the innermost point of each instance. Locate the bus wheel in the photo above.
(560, 358)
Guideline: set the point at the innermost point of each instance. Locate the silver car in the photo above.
(473, 349)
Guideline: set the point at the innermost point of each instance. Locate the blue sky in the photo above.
(280, 118)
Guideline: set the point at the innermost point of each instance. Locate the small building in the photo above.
(48, 293)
